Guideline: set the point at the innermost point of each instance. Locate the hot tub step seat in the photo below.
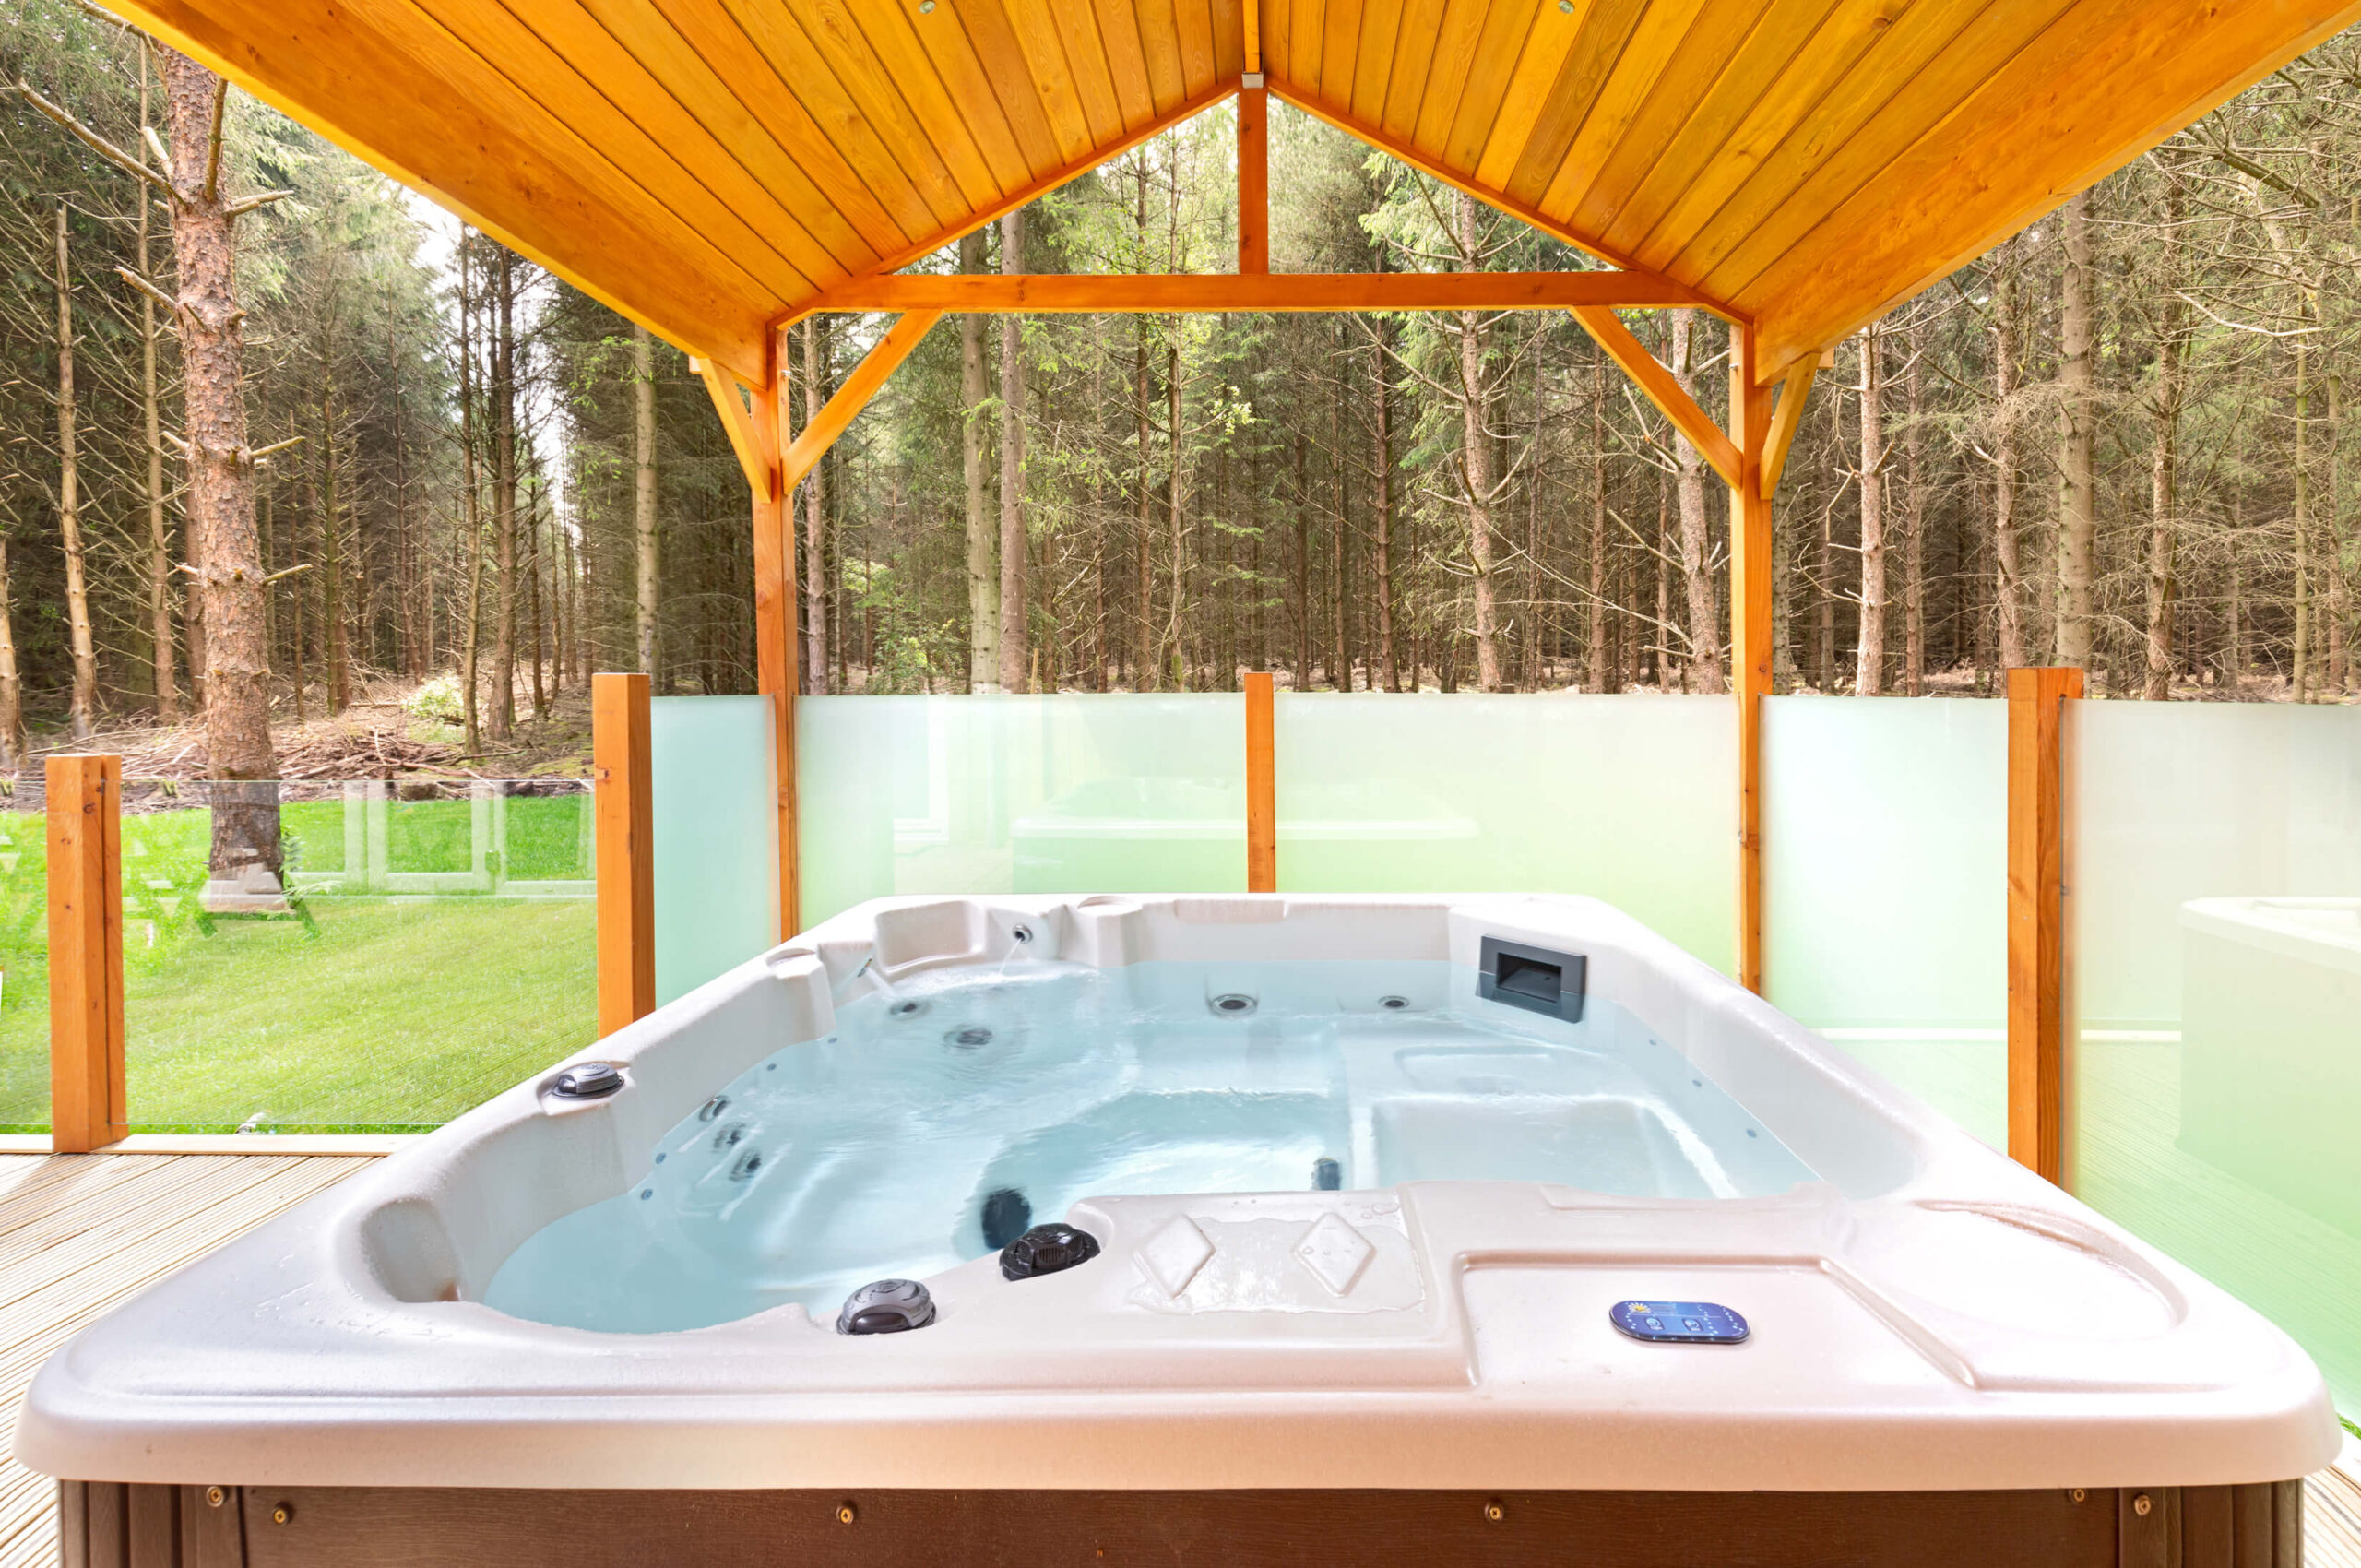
(107, 1525)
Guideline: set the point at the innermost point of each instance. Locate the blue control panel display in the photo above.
(1679, 1322)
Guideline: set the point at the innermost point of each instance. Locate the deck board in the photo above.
(79, 1233)
(94, 1250)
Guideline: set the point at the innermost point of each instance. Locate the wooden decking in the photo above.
(80, 1232)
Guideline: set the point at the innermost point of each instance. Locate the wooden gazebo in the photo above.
(720, 168)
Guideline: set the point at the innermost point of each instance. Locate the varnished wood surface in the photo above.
(622, 803)
(2038, 917)
(85, 872)
(709, 166)
(79, 1233)
(1262, 787)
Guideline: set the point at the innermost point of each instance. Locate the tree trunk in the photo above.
(332, 558)
(1476, 460)
(648, 595)
(1176, 533)
(1380, 373)
(817, 347)
(2300, 658)
(1914, 571)
(504, 500)
(2078, 514)
(471, 507)
(1704, 607)
(12, 706)
(160, 548)
(1340, 661)
(1014, 639)
(1869, 668)
(2007, 577)
(983, 544)
(69, 507)
(2171, 351)
(220, 505)
(1595, 629)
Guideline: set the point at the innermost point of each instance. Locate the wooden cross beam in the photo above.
(821, 432)
(1066, 294)
(1663, 389)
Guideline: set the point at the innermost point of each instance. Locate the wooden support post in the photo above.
(86, 1093)
(625, 860)
(1254, 178)
(778, 663)
(1262, 790)
(1750, 637)
(2038, 917)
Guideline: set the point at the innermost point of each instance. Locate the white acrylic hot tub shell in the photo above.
(1929, 1316)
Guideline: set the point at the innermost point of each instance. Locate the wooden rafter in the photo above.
(757, 447)
(1531, 216)
(1056, 293)
(859, 387)
(1786, 419)
(1662, 389)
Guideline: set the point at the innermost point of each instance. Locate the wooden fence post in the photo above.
(2037, 1021)
(626, 859)
(86, 1092)
(1262, 790)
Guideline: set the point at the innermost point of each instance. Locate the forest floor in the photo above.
(394, 728)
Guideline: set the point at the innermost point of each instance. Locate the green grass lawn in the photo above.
(381, 1012)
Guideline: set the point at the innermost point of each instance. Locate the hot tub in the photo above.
(1410, 1229)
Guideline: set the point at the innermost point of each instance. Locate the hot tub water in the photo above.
(947, 1112)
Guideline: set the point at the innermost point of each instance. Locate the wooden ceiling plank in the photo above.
(1160, 39)
(1230, 39)
(1033, 31)
(1277, 19)
(1199, 69)
(1660, 35)
(1023, 194)
(1607, 28)
(1340, 57)
(1849, 32)
(1892, 98)
(915, 118)
(1662, 389)
(1374, 60)
(903, 35)
(776, 142)
(1455, 54)
(1541, 222)
(1509, 26)
(470, 155)
(1071, 293)
(767, 52)
(2034, 133)
(1307, 50)
(1767, 50)
(1691, 69)
(1119, 31)
(1086, 57)
(745, 221)
(1414, 48)
(1552, 39)
(1051, 141)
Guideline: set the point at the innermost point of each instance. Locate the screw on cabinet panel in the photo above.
(2141, 1506)
(845, 1515)
(282, 1514)
(215, 1497)
(1494, 1512)
(2079, 1495)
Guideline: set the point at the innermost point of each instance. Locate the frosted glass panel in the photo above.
(2215, 910)
(1885, 880)
(998, 794)
(716, 828)
(1632, 799)
(24, 958)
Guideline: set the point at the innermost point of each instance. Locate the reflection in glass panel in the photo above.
(306, 955)
(1630, 799)
(2214, 879)
(24, 958)
(1109, 794)
(1885, 877)
(717, 832)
